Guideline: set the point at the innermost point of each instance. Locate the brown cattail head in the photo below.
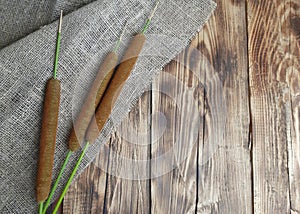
(118, 80)
(48, 139)
(94, 96)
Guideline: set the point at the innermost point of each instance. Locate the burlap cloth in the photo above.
(89, 32)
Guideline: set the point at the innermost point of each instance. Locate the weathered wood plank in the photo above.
(274, 82)
(224, 181)
(292, 22)
(175, 127)
(127, 188)
(87, 193)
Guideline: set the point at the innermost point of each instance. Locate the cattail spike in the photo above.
(150, 17)
(60, 21)
(154, 10)
(120, 38)
(57, 45)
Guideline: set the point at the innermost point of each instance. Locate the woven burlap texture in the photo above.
(88, 34)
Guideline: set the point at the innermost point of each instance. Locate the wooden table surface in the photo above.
(253, 47)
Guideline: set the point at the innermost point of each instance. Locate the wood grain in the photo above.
(292, 23)
(274, 79)
(127, 188)
(174, 146)
(87, 193)
(224, 183)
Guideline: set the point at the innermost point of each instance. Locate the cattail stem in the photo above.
(150, 18)
(57, 181)
(57, 46)
(71, 178)
(41, 208)
(120, 38)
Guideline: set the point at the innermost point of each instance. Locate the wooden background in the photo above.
(254, 47)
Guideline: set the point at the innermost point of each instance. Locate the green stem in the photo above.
(56, 55)
(41, 208)
(150, 17)
(117, 45)
(57, 181)
(120, 38)
(146, 26)
(70, 178)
